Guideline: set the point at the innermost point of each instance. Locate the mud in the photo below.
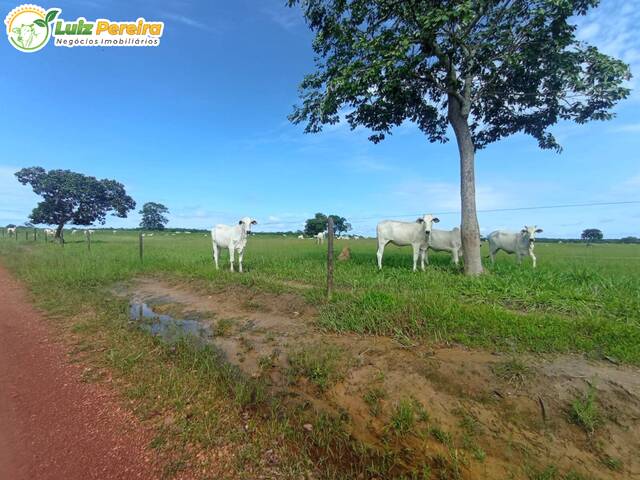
(494, 427)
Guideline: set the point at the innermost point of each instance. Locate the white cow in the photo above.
(48, 232)
(446, 241)
(89, 233)
(11, 231)
(521, 243)
(234, 238)
(402, 234)
(74, 231)
(320, 238)
(301, 237)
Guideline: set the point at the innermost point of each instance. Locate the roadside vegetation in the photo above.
(208, 414)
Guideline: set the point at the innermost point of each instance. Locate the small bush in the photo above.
(584, 412)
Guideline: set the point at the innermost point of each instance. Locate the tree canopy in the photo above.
(70, 197)
(592, 235)
(514, 66)
(318, 224)
(488, 68)
(153, 216)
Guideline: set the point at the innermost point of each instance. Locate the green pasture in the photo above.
(579, 299)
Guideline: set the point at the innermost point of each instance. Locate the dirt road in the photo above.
(52, 425)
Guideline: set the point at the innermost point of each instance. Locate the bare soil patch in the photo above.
(465, 413)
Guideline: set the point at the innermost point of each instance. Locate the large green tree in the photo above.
(70, 197)
(318, 224)
(487, 68)
(592, 235)
(153, 216)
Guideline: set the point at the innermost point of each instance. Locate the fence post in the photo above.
(329, 258)
(35, 234)
(141, 247)
(89, 241)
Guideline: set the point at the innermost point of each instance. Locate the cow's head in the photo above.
(427, 221)
(246, 222)
(26, 34)
(530, 232)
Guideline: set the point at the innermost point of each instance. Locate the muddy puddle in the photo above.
(164, 326)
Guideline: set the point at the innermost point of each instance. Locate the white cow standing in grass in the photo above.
(446, 241)
(11, 231)
(48, 232)
(320, 238)
(521, 243)
(403, 234)
(234, 238)
(301, 237)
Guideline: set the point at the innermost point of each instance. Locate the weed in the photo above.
(440, 435)
(372, 398)
(612, 463)
(403, 417)
(584, 412)
(512, 371)
(222, 327)
(322, 364)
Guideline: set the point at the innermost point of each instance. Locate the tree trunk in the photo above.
(469, 226)
(60, 233)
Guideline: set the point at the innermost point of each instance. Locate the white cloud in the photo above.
(627, 128)
(188, 21)
(612, 27)
(285, 17)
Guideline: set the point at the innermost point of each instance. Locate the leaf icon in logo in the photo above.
(51, 15)
(39, 22)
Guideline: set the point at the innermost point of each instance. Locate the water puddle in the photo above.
(166, 327)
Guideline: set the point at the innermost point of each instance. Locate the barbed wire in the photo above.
(457, 212)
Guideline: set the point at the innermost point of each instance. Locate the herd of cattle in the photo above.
(420, 235)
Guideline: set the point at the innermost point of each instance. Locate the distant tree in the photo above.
(71, 197)
(591, 235)
(11, 225)
(487, 68)
(630, 240)
(318, 224)
(153, 216)
(315, 225)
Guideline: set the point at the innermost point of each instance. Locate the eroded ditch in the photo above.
(471, 414)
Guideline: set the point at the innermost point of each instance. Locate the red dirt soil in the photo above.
(52, 425)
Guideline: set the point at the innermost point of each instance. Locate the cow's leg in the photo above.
(518, 258)
(416, 254)
(232, 249)
(240, 255)
(492, 255)
(454, 253)
(216, 253)
(423, 256)
(380, 253)
(533, 257)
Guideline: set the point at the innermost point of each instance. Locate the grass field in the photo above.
(579, 299)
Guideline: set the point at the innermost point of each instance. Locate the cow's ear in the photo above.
(254, 222)
(524, 230)
(420, 220)
(538, 230)
(436, 220)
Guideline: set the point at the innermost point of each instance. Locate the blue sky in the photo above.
(199, 124)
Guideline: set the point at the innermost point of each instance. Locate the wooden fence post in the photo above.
(35, 234)
(141, 247)
(329, 258)
(89, 241)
